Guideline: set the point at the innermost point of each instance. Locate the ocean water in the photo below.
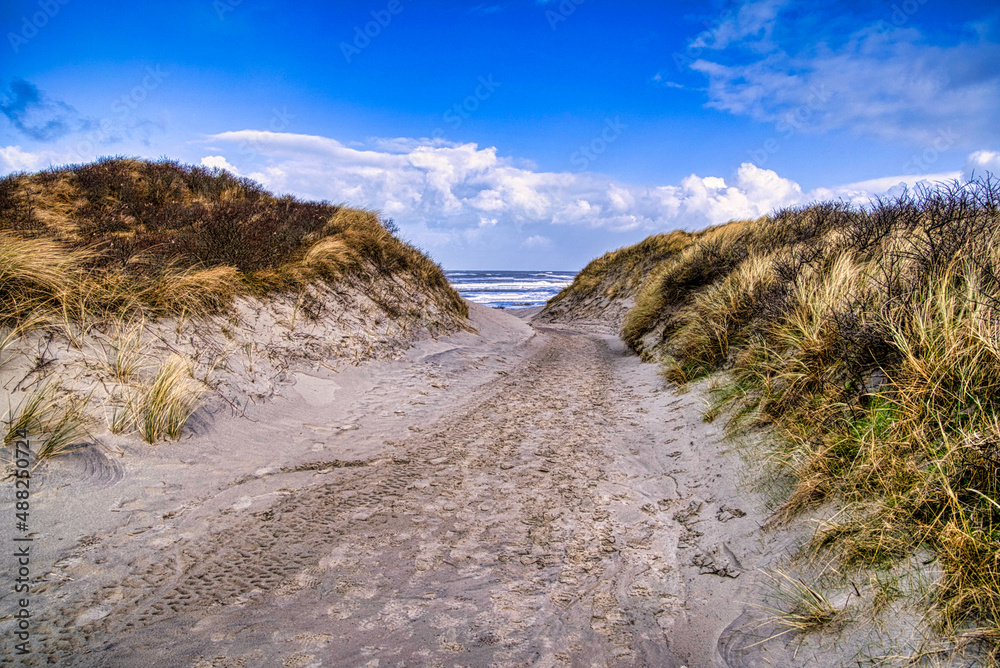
(509, 289)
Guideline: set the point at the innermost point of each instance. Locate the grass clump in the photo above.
(58, 423)
(868, 340)
(162, 407)
(796, 607)
(124, 353)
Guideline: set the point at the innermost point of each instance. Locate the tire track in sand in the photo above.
(486, 540)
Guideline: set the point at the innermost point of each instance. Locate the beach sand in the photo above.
(517, 496)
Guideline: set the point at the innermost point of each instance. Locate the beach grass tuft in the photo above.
(58, 422)
(162, 407)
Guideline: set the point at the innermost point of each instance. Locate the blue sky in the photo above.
(518, 134)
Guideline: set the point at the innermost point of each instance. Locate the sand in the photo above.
(521, 495)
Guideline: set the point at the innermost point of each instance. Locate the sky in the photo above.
(516, 134)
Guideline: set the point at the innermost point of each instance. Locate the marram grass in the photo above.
(87, 249)
(122, 238)
(53, 422)
(868, 340)
(161, 408)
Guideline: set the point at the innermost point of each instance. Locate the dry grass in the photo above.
(162, 407)
(33, 414)
(9, 336)
(122, 238)
(68, 431)
(55, 421)
(797, 607)
(623, 272)
(124, 353)
(868, 341)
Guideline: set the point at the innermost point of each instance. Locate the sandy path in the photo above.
(556, 506)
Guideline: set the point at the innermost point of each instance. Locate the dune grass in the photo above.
(867, 339)
(55, 422)
(123, 352)
(122, 237)
(796, 607)
(622, 272)
(162, 407)
(107, 246)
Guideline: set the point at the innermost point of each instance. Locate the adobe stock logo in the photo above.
(124, 107)
(253, 144)
(613, 129)
(128, 102)
(921, 162)
(30, 25)
(223, 7)
(363, 36)
(902, 13)
(463, 110)
(566, 9)
(792, 122)
(456, 115)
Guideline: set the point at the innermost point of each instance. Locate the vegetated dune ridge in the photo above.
(132, 293)
(605, 291)
(862, 345)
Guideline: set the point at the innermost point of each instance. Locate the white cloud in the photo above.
(460, 194)
(449, 197)
(982, 162)
(887, 183)
(711, 200)
(537, 241)
(753, 20)
(874, 80)
(218, 162)
(458, 200)
(14, 159)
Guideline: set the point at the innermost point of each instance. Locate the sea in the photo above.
(509, 289)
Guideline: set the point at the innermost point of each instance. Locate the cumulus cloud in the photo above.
(876, 80)
(464, 193)
(15, 159)
(465, 186)
(218, 162)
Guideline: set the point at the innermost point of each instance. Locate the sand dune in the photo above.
(519, 496)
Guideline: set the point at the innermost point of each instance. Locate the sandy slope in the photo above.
(524, 496)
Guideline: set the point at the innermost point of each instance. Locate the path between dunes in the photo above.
(523, 497)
